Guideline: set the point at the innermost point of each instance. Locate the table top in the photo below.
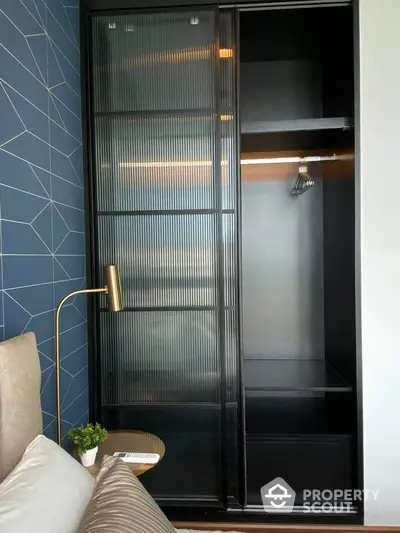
(129, 441)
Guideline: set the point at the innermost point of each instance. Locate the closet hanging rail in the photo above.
(304, 181)
(307, 159)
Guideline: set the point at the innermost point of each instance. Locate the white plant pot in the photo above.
(89, 457)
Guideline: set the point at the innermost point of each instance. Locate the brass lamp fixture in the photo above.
(113, 291)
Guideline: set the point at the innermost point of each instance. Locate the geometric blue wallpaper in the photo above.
(42, 239)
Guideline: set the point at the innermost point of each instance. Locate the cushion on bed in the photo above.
(47, 492)
(20, 411)
(120, 504)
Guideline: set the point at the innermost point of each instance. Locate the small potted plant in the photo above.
(87, 439)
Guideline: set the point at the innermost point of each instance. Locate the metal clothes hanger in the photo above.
(303, 181)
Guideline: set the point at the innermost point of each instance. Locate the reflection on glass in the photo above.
(163, 260)
(160, 357)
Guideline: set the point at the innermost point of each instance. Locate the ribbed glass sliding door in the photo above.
(164, 143)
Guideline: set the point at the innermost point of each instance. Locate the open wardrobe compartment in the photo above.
(297, 240)
(221, 182)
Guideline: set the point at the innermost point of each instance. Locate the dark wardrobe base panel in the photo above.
(211, 519)
(304, 462)
(285, 528)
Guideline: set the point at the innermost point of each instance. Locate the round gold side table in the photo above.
(129, 441)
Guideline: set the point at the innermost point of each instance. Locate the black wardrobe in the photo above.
(221, 182)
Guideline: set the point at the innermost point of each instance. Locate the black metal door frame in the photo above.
(94, 276)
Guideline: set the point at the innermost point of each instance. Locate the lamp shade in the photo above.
(113, 285)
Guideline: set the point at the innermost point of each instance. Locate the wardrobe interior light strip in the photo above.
(264, 161)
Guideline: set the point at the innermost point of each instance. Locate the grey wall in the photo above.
(280, 90)
(378, 173)
(282, 256)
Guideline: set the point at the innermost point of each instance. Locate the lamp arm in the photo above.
(57, 341)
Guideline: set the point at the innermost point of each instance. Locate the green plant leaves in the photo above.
(87, 437)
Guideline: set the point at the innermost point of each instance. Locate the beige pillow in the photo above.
(120, 504)
(47, 492)
(20, 411)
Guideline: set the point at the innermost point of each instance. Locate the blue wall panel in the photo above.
(41, 192)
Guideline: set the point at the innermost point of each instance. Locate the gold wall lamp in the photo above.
(114, 299)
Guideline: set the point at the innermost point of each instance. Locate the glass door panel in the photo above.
(165, 170)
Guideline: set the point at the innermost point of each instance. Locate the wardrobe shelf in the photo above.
(302, 438)
(306, 124)
(263, 375)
